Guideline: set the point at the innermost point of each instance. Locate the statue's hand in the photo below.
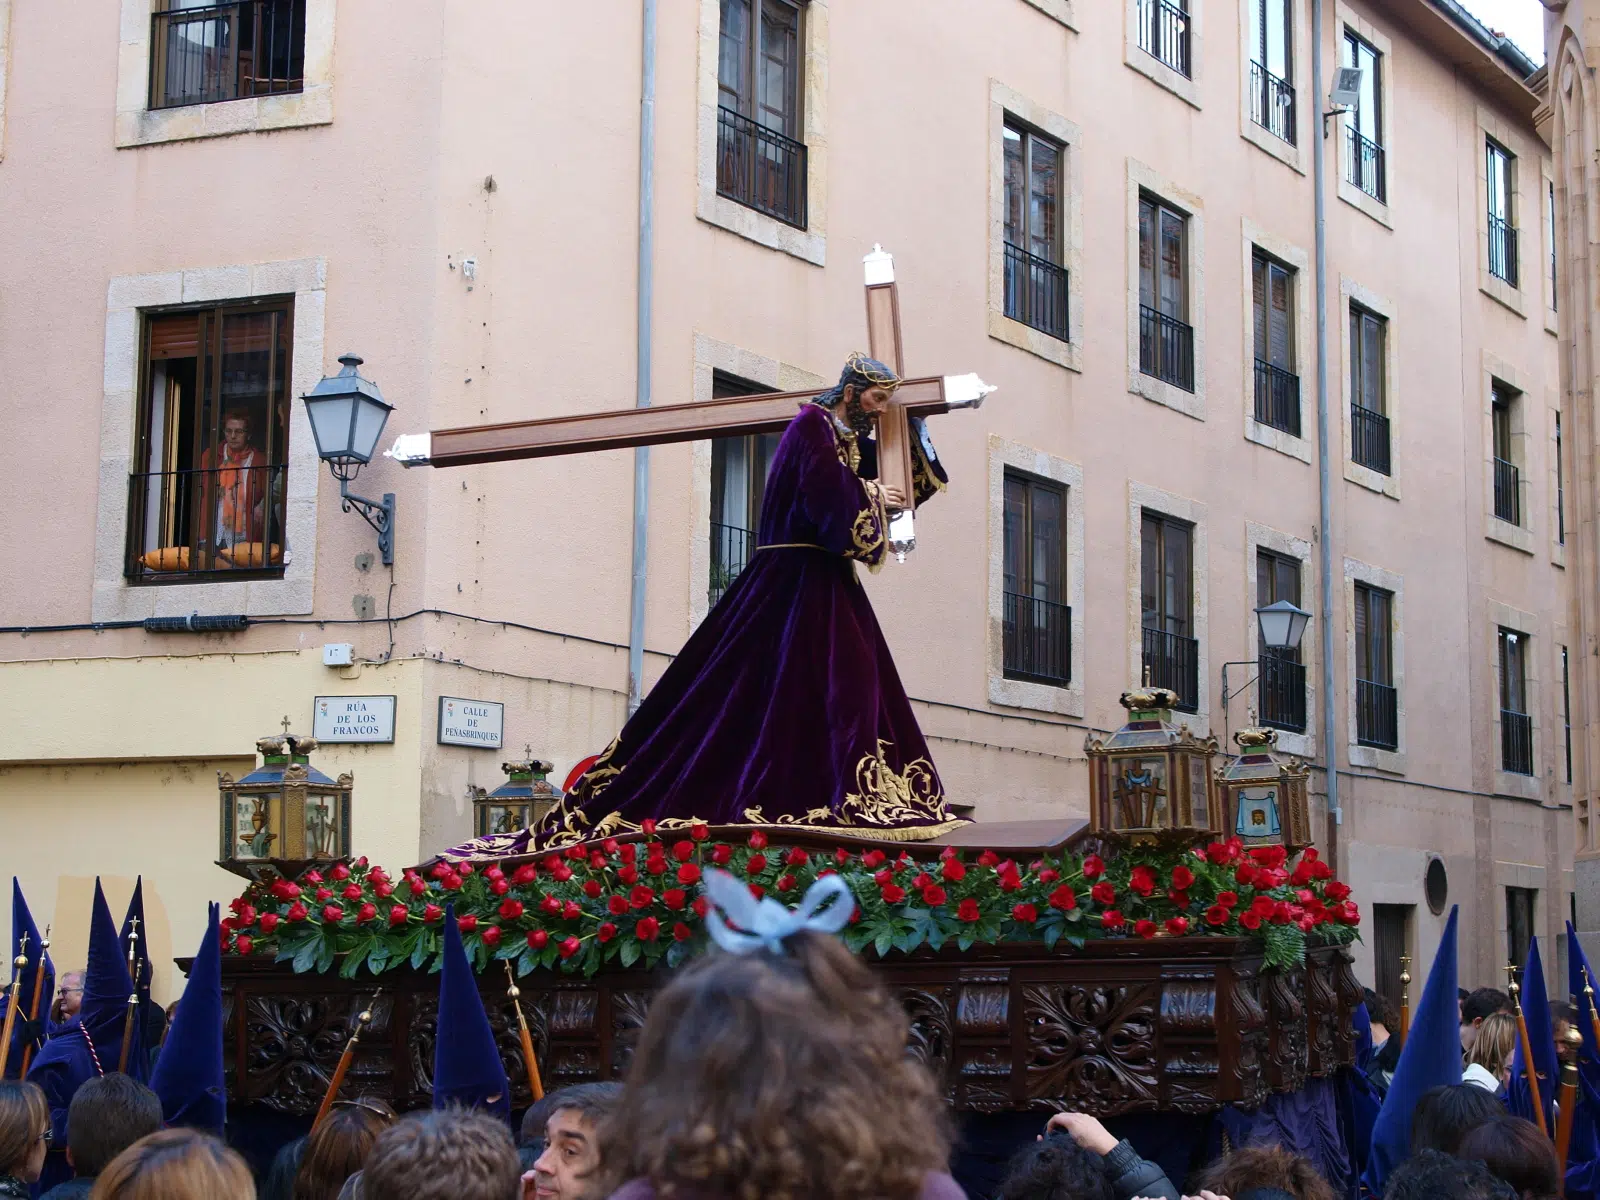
(894, 498)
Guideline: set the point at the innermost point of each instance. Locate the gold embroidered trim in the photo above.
(868, 530)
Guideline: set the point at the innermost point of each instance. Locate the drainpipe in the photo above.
(641, 454)
(1330, 751)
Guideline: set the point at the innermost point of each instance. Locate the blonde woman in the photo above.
(175, 1164)
(1489, 1060)
(24, 1137)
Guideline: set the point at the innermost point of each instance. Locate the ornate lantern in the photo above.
(1151, 781)
(1263, 794)
(285, 815)
(521, 801)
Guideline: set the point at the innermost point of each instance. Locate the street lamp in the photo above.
(1282, 624)
(347, 417)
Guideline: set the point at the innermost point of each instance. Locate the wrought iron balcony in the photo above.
(1377, 715)
(1037, 639)
(1166, 348)
(761, 168)
(1036, 292)
(199, 524)
(1369, 439)
(1164, 33)
(1507, 492)
(1282, 692)
(1173, 661)
(730, 554)
(226, 52)
(1516, 742)
(1277, 398)
(1364, 165)
(1503, 250)
(1272, 103)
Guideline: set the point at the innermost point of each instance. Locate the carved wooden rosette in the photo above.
(1168, 1025)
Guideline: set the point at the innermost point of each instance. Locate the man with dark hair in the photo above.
(1444, 1115)
(1056, 1168)
(107, 1115)
(1430, 1175)
(448, 1154)
(566, 1170)
(1479, 1004)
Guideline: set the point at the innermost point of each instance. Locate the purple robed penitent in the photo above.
(784, 708)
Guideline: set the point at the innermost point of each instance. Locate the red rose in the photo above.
(1026, 913)
(1142, 880)
(1304, 896)
(467, 923)
(499, 886)
(1321, 870)
(628, 873)
(933, 896)
(312, 877)
(689, 873)
(352, 892)
(325, 893)
(721, 853)
(1336, 890)
(1112, 919)
(701, 906)
(785, 883)
(883, 876)
(1093, 867)
(551, 905)
(1350, 913)
(247, 915)
(291, 891)
(756, 865)
(538, 939)
(491, 936)
(243, 945)
(681, 932)
(1228, 899)
(227, 927)
(648, 826)
(561, 873)
(332, 914)
(510, 910)
(841, 855)
(269, 922)
(699, 831)
(464, 868)
(597, 861)
(398, 914)
(1262, 906)
(1177, 926)
(451, 882)
(366, 913)
(921, 880)
(675, 898)
(576, 853)
(494, 872)
(417, 887)
(1103, 893)
(656, 865)
(1301, 875)
(1281, 913)
(1182, 877)
(383, 889)
(647, 930)
(570, 911)
(873, 859)
(606, 932)
(757, 890)
(570, 946)
(683, 851)
(1244, 875)
(641, 897)
(758, 840)
(892, 893)
(952, 870)
(1049, 876)
(1145, 928)
(297, 911)
(967, 910)
(1010, 881)
(617, 905)
(611, 845)
(1249, 919)
(340, 871)
(796, 857)
(629, 852)
(1270, 856)
(592, 888)
(1217, 853)
(237, 905)
(1217, 915)
(988, 858)
(1063, 898)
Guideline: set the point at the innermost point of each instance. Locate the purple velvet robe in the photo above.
(784, 708)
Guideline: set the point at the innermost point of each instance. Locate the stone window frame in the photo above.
(1142, 496)
(1142, 178)
(1254, 237)
(1004, 101)
(1385, 485)
(1186, 88)
(1058, 10)
(137, 124)
(1263, 537)
(1491, 126)
(1534, 878)
(1503, 616)
(5, 63)
(809, 244)
(1374, 757)
(128, 297)
(711, 356)
(1345, 18)
(1497, 370)
(1293, 156)
(1020, 693)
(1553, 485)
(1548, 286)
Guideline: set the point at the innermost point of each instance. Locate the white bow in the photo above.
(740, 923)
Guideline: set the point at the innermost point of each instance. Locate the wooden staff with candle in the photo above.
(1405, 998)
(1567, 1101)
(1528, 1070)
(38, 989)
(1588, 996)
(133, 998)
(18, 965)
(535, 1084)
(363, 1019)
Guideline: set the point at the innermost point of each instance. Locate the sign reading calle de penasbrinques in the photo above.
(464, 722)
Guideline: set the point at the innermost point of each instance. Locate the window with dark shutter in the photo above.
(1171, 653)
(1277, 386)
(1166, 340)
(1036, 624)
(1377, 701)
(1281, 673)
(761, 161)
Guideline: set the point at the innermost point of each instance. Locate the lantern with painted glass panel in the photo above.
(285, 816)
(1151, 780)
(1264, 794)
(518, 803)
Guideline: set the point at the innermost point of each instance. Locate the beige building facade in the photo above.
(1106, 209)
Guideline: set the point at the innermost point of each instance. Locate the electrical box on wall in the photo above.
(338, 654)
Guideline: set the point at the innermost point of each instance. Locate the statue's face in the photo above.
(872, 401)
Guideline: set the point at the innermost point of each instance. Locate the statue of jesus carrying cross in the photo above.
(784, 708)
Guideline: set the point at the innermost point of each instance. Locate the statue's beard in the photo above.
(858, 418)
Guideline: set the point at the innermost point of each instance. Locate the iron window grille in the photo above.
(1164, 32)
(226, 52)
(1036, 623)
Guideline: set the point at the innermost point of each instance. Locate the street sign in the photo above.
(353, 718)
(478, 723)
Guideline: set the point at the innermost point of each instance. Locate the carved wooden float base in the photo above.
(1169, 1025)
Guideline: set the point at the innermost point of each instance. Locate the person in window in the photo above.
(236, 482)
(784, 709)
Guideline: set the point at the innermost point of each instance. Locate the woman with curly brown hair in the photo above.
(777, 1072)
(1266, 1167)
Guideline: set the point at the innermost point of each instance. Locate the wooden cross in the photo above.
(732, 417)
